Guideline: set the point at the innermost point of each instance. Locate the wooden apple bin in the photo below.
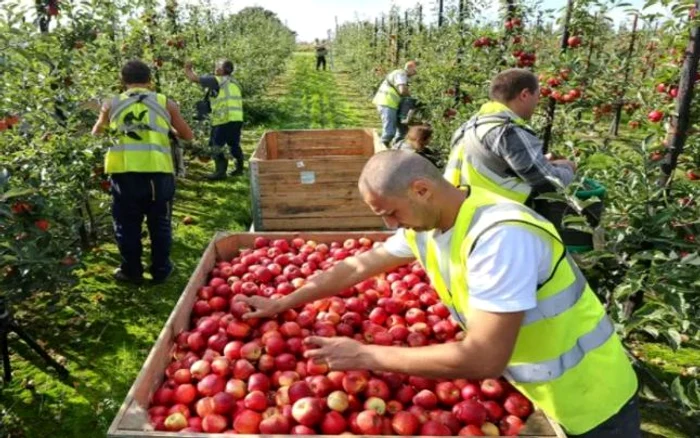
(307, 180)
(132, 418)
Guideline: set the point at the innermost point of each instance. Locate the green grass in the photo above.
(103, 330)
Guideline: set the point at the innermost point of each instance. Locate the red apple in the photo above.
(471, 391)
(299, 390)
(369, 422)
(275, 425)
(258, 382)
(243, 369)
(163, 396)
(425, 399)
(516, 404)
(447, 393)
(470, 412)
(205, 406)
(210, 385)
(492, 389)
(256, 401)
(471, 430)
(287, 378)
(247, 422)
(238, 329)
(300, 429)
(214, 423)
(285, 362)
(196, 341)
(433, 428)
(237, 388)
(232, 350)
(185, 394)
(333, 424)
(354, 382)
(405, 394)
(405, 424)
(320, 385)
(221, 366)
(308, 411)
(377, 388)
(494, 411)
(511, 425)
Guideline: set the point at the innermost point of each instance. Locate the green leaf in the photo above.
(674, 338)
(679, 392)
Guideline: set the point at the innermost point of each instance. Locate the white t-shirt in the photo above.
(399, 77)
(505, 267)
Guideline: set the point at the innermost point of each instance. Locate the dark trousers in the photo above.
(320, 60)
(139, 195)
(228, 134)
(625, 424)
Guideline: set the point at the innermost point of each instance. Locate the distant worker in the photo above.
(388, 99)
(497, 150)
(418, 140)
(140, 166)
(321, 52)
(226, 117)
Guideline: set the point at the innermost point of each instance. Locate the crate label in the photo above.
(300, 164)
(308, 177)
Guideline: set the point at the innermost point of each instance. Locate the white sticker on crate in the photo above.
(308, 177)
(300, 164)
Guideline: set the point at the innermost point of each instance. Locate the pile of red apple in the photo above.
(250, 377)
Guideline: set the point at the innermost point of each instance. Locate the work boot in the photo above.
(238, 170)
(221, 164)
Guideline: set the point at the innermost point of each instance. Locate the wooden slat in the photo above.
(348, 164)
(272, 146)
(315, 223)
(298, 193)
(336, 208)
(261, 152)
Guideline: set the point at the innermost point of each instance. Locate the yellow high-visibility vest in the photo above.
(567, 358)
(142, 121)
(227, 106)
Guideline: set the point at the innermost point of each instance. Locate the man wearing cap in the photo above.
(388, 99)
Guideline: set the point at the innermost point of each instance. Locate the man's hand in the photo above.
(264, 307)
(339, 353)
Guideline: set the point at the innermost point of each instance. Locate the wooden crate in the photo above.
(132, 418)
(307, 180)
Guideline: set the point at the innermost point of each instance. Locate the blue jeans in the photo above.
(625, 424)
(135, 196)
(228, 134)
(390, 125)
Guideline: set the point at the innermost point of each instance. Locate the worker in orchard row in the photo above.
(321, 52)
(393, 88)
(140, 165)
(497, 150)
(507, 279)
(226, 115)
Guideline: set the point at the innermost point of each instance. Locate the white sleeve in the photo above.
(505, 267)
(400, 79)
(397, 245)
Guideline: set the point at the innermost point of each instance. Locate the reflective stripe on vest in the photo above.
(387, 94)
(141, 119)
(227, 106)
(566, 345)
(472, 163)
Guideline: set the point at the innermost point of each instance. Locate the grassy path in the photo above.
(105, 330)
